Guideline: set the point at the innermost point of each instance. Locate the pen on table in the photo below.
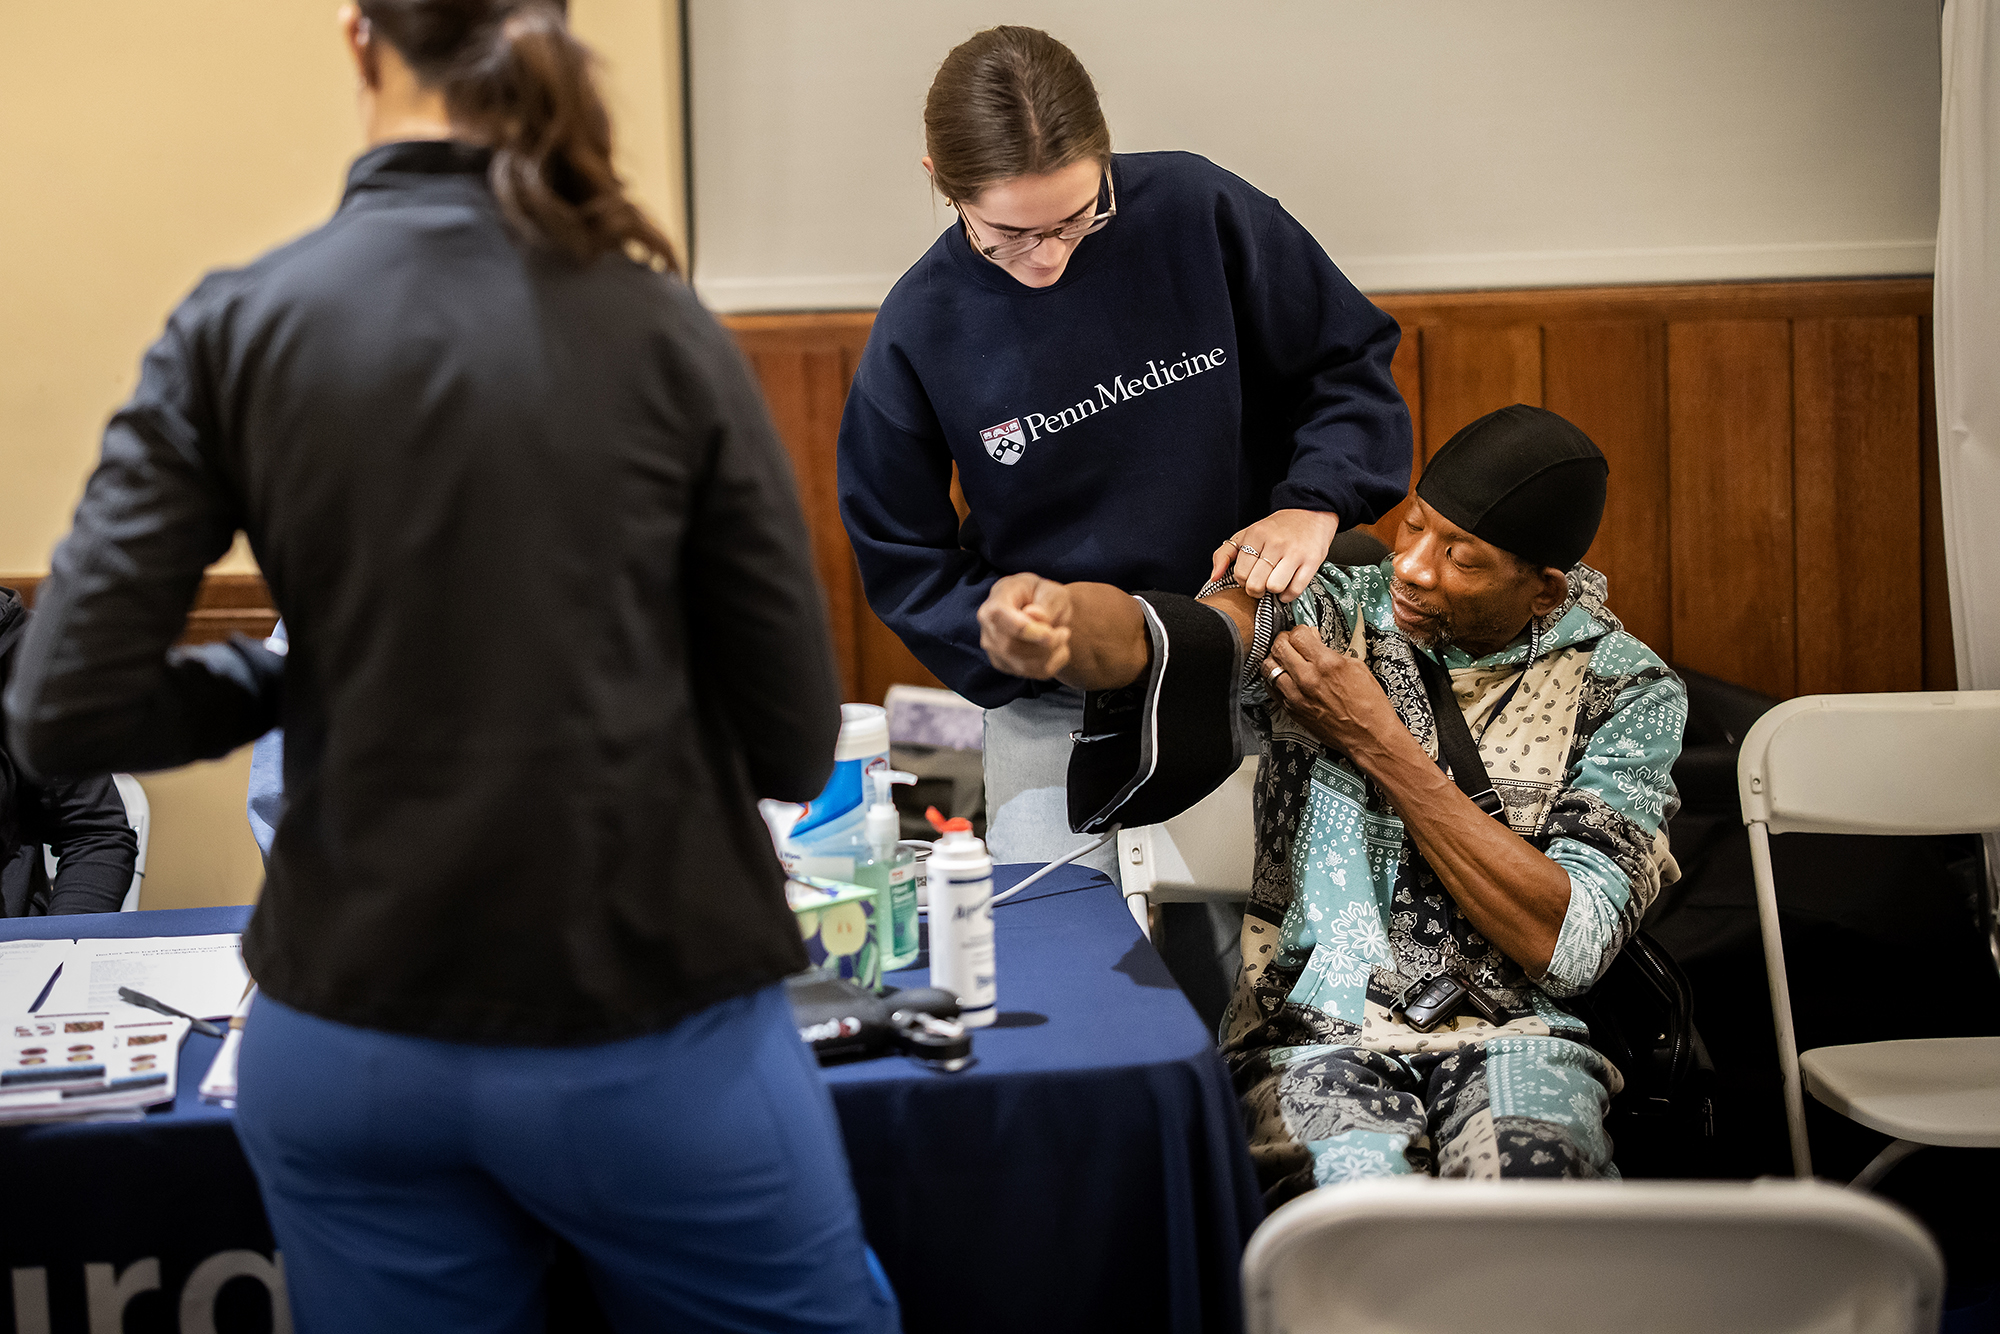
(42, 996)
(201, 1026)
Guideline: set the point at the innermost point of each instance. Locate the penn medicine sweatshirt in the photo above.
(1200, 363)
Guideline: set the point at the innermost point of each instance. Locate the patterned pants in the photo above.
(1508, 1107)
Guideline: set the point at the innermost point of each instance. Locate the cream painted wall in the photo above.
(200, 853)
(639, 45)
(1427, 144)
(144, 144)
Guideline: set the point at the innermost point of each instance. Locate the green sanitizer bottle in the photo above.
(891, 870)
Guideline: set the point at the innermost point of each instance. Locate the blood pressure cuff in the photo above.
(1150, 750)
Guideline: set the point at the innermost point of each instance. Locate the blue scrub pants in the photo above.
(420, 1185)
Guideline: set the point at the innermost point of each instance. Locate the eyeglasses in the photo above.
(1016, 246)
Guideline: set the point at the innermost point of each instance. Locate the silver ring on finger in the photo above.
(1268, 561)
(1246, 550)
(1276, 672)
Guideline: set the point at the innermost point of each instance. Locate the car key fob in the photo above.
(1426, 1004)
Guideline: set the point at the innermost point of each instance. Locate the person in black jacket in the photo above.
(83, 821)
(521, 942)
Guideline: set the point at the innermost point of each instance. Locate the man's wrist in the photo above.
(1108, 646)
(1394, 760)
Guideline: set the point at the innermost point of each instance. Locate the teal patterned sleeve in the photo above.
(1607, 828)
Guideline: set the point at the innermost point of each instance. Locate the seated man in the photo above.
(1375, 872)
(84, 822)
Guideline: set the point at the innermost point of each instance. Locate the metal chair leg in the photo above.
(1141, 908)
(1871, 1175)
(1989, 897)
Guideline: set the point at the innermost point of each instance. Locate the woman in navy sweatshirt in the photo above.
(1145, 371)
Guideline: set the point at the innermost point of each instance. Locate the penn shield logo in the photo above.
(1005, 442)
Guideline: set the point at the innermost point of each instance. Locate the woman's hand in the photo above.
(1333, 694)
(1024, 626)
(1280, 554)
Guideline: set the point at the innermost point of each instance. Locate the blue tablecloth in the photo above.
(1087, 1173)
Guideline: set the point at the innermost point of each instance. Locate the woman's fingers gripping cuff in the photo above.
(1252, 571)
(1284, 578)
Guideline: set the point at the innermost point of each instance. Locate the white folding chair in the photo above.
(1203, 855)
(1420, 1256)
(138, 814)
(1918, 763)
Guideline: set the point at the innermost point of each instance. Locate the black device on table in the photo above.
(844, 1022)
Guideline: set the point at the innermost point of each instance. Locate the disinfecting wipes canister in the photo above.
(831, 837)
(961, 913)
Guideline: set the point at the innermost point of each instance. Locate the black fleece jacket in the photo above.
(83, 820)
(554, 623)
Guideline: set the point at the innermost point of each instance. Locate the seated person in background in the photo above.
(1374, 872)
(84, 822)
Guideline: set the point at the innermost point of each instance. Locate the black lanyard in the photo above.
(1456, 747)
(1494, 714)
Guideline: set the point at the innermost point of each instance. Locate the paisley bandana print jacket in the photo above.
(1344, 912)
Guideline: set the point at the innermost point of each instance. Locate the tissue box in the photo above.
(922, 716)
(842, 931)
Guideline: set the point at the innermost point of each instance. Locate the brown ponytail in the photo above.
(1010, 102)
(515, 79)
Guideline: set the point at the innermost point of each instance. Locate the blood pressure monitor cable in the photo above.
(1063, 860)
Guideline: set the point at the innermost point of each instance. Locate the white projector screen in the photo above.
(1431, 144)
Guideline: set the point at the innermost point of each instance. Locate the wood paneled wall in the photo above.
(1773, 516)
(805, 363)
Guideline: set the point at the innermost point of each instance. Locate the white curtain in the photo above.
(1967, 332)
(1967, 337)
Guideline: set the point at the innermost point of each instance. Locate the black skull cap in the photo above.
(1524, 479)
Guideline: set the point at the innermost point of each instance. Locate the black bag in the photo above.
(1641, 1012)
(1641, 1020)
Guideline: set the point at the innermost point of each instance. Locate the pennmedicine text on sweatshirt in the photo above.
(1200, 363)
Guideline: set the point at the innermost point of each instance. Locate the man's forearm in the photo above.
(1512, 894)
(1087, 636)
(1107, 638)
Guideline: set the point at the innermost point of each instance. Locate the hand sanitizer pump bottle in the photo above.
(891, 870)
(961, 911)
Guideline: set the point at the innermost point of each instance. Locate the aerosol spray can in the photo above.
(961, 914)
